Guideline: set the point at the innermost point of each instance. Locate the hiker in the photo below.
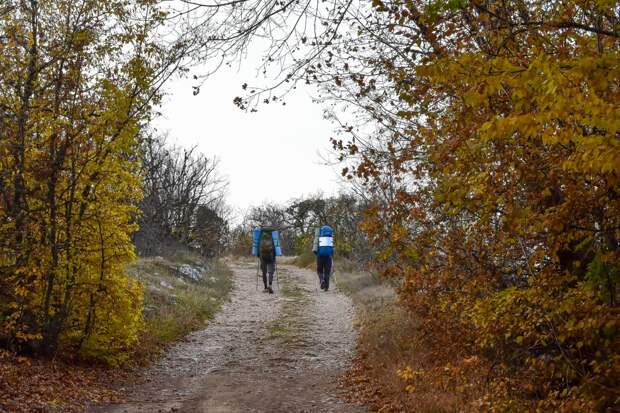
(266, 246)
(323, 248)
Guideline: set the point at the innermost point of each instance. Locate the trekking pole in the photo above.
(317, 283)
(257, 269)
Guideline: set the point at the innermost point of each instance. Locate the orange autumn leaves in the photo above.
(507, 235)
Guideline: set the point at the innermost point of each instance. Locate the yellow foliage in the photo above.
(69, 176)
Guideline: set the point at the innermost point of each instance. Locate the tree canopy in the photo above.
(483, 137)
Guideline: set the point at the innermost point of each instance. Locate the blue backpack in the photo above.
(324, 241)
(257, 234)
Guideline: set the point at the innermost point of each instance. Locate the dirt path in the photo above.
(262, 353)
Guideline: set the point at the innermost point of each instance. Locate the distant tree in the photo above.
(298, 219)
(210, 231)
(182, 191)
(240, 238)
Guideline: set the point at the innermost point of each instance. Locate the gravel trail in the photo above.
(261, 353)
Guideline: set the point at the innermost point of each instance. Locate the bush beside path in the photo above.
(182, 292)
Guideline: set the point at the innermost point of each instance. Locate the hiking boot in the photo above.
(322, 285)
(270, 290)
(266, 290)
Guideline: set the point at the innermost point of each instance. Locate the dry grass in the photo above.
(389, 340)
(250, 259)
(305, 260)
(176, 305)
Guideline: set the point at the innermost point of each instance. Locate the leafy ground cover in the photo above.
(182, 292)
(40, 385)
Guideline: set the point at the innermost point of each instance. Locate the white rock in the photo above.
(191, 272)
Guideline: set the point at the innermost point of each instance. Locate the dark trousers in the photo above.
(267, 266)
(324, 269)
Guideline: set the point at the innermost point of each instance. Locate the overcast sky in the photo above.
(271, 155)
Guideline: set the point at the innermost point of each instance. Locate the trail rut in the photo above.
(261, 353)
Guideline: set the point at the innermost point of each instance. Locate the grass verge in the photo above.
(305, 260)
(181, 293)
(389, 340)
